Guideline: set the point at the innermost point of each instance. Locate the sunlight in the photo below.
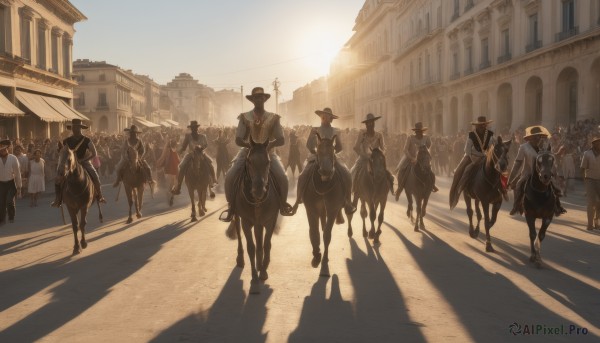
(320, 47)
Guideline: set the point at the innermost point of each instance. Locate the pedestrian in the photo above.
(590, 167)
(10, 182)
(36, 178)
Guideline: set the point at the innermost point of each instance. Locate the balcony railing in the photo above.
(533, 46)
(469, 71)
(455, 76)
(567, 33)
(504, 58)
(484, 65)
(102, 107)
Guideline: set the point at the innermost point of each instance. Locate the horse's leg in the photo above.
(129, 192)
(251, 248)
(363, 215)
(380, 219)
(532, 236)
(258, 237)
(495, 209)
(418, 206)
(264, 275)
(409, 208)
(140, 201)
(240, 251)
(193, 201)
(326, 241)
(349, 216)
(75, 225)
(372, 217)
(488, 238)
(470, 215)
(315, 236)
(479, 215)
(538, 242)
(202, 200)
(82, 224)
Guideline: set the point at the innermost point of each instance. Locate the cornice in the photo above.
(64, 10)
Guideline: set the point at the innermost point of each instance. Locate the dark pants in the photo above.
(8, 191)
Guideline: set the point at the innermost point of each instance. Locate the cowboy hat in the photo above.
(370, 117)
(133, 128)
(256, 92)
(5, 143)
(193, 123)
(536, 130)
(481, 120)
(76, 122)
(326, 111)
(419, 127)
(594, 139)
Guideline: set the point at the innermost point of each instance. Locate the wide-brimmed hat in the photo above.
(5, 143)
(76, 122)
(370, 117)
(326, 111)
(419, 127)
(481, 120)
(193, 123)
(536, 130)
(258, 92)
(594, 139)
(133, 128)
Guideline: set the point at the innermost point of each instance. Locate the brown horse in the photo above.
(256, 205)
(373, 191)
(133, 183)
(418, 186)
(324, 197)
(77, 194)
(539, 202)
(197, 178)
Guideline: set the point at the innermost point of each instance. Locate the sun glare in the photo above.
(320, 49)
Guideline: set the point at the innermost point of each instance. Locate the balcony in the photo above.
(504, 58)
(102, 107)
(567, 33)
(468, 71)
(484, 65)
(533, 46)
(455, 76)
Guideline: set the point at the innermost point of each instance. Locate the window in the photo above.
(468, 60)
(534, 40)
(25, 37)
(485, 54)
(455, 71)
(4, 29)
(102, 99)
(469, 5)
(456, 10)
(505, 42)
(102, 77)
(568, 15)
(41, 53)
(81, 100)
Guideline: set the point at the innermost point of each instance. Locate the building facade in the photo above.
(36, 87)
(191, 100)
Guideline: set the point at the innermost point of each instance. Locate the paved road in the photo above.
(165, 279)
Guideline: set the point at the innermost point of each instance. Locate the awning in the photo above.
(145, 123)
(36, 104)
(165, 124)
(7, 108)
(64, 108)
(172, 122)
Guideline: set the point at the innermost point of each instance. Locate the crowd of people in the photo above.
(37, 158)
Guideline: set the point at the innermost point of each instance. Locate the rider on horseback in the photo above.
(135, 143)
(410, 156)
(192, 140)
(524, 167)
(80, 145)
(325, 131)
(366, 141)
(477, 143)
(260, 126)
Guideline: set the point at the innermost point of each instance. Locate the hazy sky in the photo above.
(223, 43)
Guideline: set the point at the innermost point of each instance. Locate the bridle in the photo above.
(249, 199)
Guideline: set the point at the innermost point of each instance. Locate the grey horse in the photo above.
(418, 186)
(197, 179)
(373, 192)
(78, 194)
(324, 198)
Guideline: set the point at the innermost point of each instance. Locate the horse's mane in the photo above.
(63, 155)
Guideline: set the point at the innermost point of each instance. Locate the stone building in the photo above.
(36, 88)
(191, 100)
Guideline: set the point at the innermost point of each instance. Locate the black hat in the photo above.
(481, 120)
(133, 128)
(5, 143)
(326, 111)
(193, 123)
(256, 92)
(370, 117)
(419, 127)
(76, 122)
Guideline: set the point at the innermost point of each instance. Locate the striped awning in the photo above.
(172, 122)
(8, 109)
(145, 123)
(49, 109)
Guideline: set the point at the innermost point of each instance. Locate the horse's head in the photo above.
(424, 157)
(497, 155)
(257, 165)
(132, 156)
(67, 162)
(325, 157)
(377, 165)
(544, 166)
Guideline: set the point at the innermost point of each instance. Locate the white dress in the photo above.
(37, 182)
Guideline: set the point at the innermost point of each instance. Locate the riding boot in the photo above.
(58, 195)
(177, 189)
(518, 204)
(99, 196)
(434, 188)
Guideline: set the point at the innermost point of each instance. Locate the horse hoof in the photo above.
(138, 215)
(240, 262)
(263, 276)
(316, 261)
(201, 214)
(194, 219)
(83, 244)
(489, 248)
(129, 220)
(416, 228)
(76, 251)
(532, 258)
(473, 234)
(254, 287)
(371, 234)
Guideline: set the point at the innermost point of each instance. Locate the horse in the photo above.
(539, 202)
(223, 158)
(133, 183)
(78, 193)
(487, 188)
(197, 179)
(256, 206)
(324, 198)
(373, 190)
(418, 185)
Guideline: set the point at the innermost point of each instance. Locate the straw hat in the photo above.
(536, 130)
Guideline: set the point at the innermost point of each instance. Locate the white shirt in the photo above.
(10, 170)
(591, 164)
(528, 155)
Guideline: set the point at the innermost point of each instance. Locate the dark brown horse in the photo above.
(373, 192)
(256, 204)
(78, 194)
(418, 186)
(133, 183)
(324, 197)
(197, 178)
(539, 202)
(486, 188)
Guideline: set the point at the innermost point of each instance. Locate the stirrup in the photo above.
(226, 216)
(56, 203)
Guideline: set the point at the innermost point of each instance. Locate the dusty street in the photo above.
(165, 279)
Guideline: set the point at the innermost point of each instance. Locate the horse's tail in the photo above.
(231, 231)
